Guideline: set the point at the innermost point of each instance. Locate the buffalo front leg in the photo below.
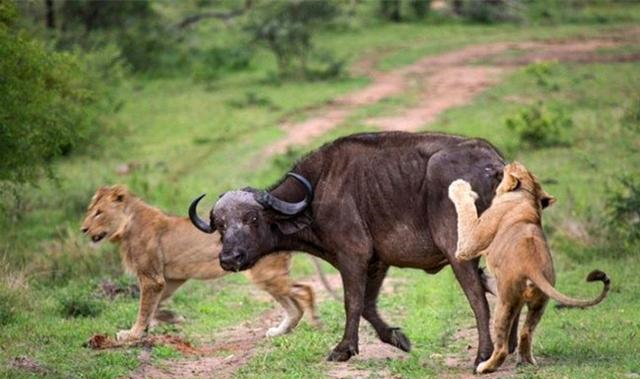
(353, 276)
(471, 282)
(393, 336)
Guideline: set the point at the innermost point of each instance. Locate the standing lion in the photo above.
(509, 233)
(165, 251)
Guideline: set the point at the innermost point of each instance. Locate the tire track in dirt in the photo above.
(445, 81)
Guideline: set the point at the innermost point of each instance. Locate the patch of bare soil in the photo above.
(445, 81)
(27, 364)
(460, 364)
(231, 349)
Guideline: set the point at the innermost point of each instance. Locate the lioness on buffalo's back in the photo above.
(165, 251)
(364, 203)
(510, 234)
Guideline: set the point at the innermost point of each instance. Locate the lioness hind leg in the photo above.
(164, 315)
(526, 334)
(151, 288)
(305, 297)
(505, 316)
(291, 318)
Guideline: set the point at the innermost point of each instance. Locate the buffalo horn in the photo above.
(197, 221)
(285, 207)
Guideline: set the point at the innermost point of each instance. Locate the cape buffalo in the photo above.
(363, 203)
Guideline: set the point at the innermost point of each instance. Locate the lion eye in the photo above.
(98, 213)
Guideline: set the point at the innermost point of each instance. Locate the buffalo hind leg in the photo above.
(353, 274)
(393, 336)
(471, 282)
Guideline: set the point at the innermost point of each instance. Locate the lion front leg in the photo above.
(150, 293)
(463, 199)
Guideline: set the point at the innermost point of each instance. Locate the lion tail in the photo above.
(323, 278)
(565, 301)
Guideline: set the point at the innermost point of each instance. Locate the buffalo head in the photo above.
(250, 223)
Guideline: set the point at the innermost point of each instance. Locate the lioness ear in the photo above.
(547, 200)
(511, 183)
(118, 193)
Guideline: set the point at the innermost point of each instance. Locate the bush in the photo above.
(488, 11)
(286, 29)
(540, 126)
(78, 300)
(8, 304)
(631, 116)
(218, 60)
(52, 103)
(542, 72)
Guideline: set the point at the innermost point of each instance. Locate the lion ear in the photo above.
(547, 200)
(119, 193)
(512, 183)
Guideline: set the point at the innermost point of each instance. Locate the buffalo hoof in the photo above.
(342, 353)
(399, 340)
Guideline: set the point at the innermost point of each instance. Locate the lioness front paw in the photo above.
(460, 190)
(275, 332)
(128, 335)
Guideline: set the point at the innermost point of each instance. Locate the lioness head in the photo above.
(106, 215)
(518, 178)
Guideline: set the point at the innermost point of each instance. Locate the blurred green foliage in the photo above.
(77, 300)
(540, 126)
(285, 28)
(52, 102)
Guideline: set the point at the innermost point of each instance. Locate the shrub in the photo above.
(78, 300)
(542, 72)
(8, 305)
(218, 60)
(540, 126)
(286, 29)
(631, 116)
(488, 11)
(52, 102)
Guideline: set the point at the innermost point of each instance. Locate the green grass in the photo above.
(185, 137)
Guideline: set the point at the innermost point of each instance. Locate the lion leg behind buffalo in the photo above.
(271, 274)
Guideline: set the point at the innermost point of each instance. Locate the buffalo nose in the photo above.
(231, 260)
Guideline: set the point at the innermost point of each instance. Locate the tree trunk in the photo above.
(50, 15)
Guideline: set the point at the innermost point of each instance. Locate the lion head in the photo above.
(106, 215)
(518, 177)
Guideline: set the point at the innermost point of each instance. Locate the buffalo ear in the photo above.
(547, 200)
(292, 224)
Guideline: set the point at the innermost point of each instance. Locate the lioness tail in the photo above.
(541, 282)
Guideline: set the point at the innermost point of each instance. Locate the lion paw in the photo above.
(127, 335)
(461, 190)
(485, 368)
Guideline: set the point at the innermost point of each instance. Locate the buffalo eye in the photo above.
(250, 219)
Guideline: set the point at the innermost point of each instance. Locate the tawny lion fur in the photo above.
(165, 251)
(510, 235)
